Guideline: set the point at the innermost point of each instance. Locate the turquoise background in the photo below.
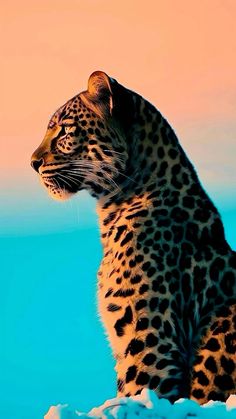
(53, 349)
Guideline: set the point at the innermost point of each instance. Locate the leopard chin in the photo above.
(55, 191)
(60, 195)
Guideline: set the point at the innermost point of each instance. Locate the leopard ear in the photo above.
(100, 89)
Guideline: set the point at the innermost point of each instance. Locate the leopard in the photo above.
(167, 281)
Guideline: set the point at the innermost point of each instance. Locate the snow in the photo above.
(148, 406)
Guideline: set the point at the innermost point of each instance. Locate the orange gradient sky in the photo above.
(179, 54)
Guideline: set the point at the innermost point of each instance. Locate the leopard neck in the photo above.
(156, 161)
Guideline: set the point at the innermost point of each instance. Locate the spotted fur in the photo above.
(167, 282)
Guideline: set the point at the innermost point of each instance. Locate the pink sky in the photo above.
(181, 55)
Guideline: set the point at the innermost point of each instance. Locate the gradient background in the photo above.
(181, 55)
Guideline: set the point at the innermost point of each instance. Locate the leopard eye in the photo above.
(68, 127)
(66, 120)
(66, 124)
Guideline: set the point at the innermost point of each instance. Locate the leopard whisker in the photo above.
(66, 180)
(58, 186)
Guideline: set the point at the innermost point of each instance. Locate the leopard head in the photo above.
(85, 145)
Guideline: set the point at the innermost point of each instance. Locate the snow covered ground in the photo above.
(148, 406)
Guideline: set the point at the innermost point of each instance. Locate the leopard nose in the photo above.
(36, 163)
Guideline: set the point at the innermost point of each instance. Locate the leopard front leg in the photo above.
(141, 330)
(144, 344)
(153, 361)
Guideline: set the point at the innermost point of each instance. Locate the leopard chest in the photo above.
(128, 281)
(117, 290)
